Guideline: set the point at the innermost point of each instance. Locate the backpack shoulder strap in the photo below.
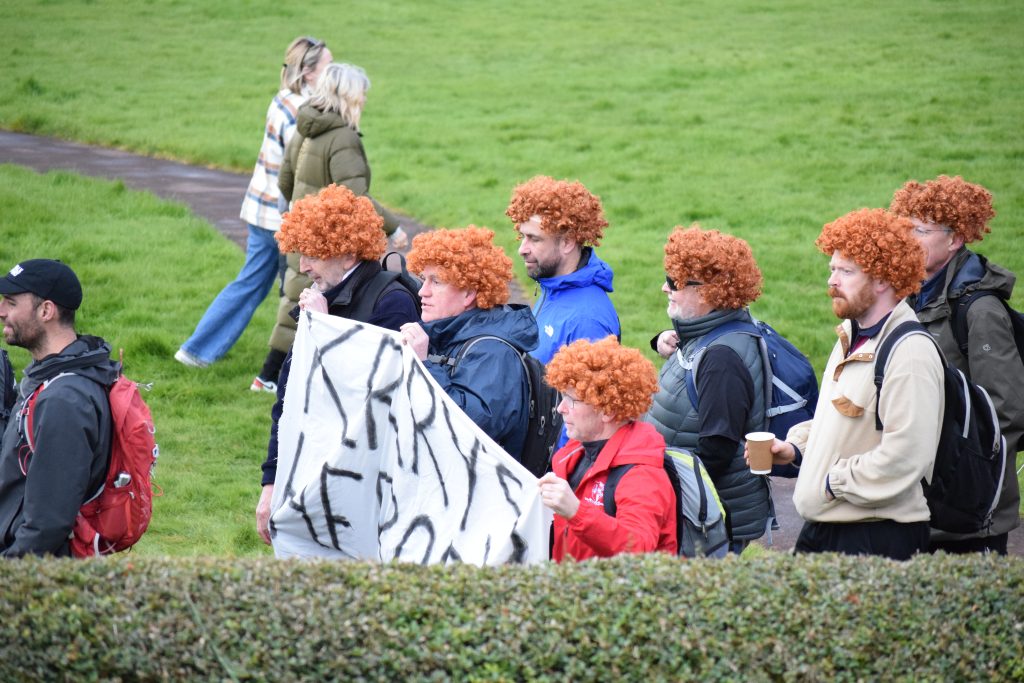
(394, 262)
(27, 416)
(615, 475)
(884, 350)
(453, 361)
(370, 296)
(691, 363)
(958, 319)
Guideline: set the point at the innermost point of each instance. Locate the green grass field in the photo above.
(148, 269)
(765, 120)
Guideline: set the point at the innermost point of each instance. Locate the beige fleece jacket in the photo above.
(873, 475)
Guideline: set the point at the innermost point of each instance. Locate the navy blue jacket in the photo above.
(394, 308)
(489, 382)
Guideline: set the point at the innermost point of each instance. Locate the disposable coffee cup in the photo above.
(759, 452)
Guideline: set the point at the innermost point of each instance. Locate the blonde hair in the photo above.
(342, 90)
(301, 58)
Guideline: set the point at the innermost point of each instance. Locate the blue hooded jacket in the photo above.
(575, 306)
(489, 382)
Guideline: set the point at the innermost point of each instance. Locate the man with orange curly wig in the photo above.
(559, 223)
(339, 239)
(859, 488)
(470, 340)
(962, 303)
(605, 388)
(710, 280)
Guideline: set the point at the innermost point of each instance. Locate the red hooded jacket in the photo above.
(645, 518)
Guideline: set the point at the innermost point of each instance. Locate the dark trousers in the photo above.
(987, 544)
(895, 540)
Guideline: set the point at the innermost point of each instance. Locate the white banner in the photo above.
(376, 462)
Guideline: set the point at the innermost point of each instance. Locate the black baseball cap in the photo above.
(47, 279)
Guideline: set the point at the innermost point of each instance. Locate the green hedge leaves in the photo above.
(774, 617)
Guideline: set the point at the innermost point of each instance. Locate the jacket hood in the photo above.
(311, 122)
(594, 272)
(513, 322)
(974, 271)
(86, 356)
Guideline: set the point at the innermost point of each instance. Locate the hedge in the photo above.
(775, 617)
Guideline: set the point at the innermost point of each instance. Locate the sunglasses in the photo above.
(689, 283)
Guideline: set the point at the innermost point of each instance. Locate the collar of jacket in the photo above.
(866, 352)
(87, 356)
(965, 273)
(694, 328)
(341, 294)
(512, 322)
(635, 443)
(963, 270)
(591, 272)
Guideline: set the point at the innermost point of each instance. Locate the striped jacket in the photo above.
(260, 206)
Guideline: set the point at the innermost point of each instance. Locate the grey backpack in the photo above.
(700, 516)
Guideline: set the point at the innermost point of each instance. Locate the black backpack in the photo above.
(971, 455)
(545, 423)
(8, 389)
(958, 323)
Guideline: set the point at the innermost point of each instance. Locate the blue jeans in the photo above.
(228, 315)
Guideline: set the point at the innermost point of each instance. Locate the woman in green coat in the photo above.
(326, 149)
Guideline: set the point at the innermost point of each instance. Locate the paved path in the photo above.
(217, 195)
(785, 539)
(214, 195)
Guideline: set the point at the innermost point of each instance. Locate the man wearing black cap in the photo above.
(42, 488)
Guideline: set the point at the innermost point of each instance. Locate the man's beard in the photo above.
(854, 307)
(27, 336)
(543, 271)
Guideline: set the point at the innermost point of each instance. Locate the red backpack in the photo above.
(117, 515)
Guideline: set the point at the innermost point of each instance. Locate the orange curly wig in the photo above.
(879, 242)
(953, 202)
(615, 380)
(564, 207)
(333, 222)
(466, 259)
(725, 264)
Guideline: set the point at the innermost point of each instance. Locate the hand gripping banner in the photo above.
(376, 462)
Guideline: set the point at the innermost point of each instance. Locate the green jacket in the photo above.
(992, 361)
(326, 150)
